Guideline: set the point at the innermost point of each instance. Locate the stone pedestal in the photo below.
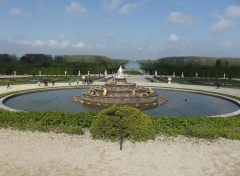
(121, 80)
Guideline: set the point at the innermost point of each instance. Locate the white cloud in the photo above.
(38, 43)
(111, 4)
(222, 25)
(41, 43)
(65, 44)
(111, 34)
(232, 11)
(22, 42)
(119, 7)
(75, 7)
(80, 45)
(129, 7)
(227, 44)
(173, 38)
(226, 20)
(52, 44)
(62, 37)
(179, 18)
(15, 11)
(99, 46)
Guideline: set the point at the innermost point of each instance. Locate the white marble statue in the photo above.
(169, 80)
(120, 73)
(182, 75)
(174, 74)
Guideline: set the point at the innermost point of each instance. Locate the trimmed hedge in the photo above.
(136, 125)
(200, 127)
(58, 122)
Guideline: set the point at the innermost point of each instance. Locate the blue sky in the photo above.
(121, 29)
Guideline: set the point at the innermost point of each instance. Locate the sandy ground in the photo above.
(27, 153)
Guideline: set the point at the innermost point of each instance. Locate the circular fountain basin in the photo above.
(179, 103)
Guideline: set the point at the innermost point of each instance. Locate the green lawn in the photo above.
(34, 79)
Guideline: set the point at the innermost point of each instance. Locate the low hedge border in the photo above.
(59, 122)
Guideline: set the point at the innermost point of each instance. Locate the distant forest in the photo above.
(208, 67)
(32, 63)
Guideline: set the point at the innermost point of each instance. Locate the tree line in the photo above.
(57, 65)
(206, 67)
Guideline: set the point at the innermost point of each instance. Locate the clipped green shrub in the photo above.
(199, 127)
(136, 125)
(58, 122)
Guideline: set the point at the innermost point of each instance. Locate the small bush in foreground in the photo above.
(136, 125)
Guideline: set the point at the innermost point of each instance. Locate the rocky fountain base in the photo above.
(121, 93)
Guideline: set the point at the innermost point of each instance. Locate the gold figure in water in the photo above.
(150, 91)
(104, 91)
(91, 90)
(133, 92)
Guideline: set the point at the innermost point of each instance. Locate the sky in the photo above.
(121, 29)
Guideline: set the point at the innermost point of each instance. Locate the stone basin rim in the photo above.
(235, 101)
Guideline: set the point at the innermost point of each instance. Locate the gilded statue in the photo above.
(150, 91)
(133, 92)
(104, 91)
(91, 90)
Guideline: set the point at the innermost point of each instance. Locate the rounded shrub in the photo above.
(136, 125)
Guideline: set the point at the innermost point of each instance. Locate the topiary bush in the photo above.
(136, 125)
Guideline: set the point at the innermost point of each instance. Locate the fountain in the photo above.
(120, 92)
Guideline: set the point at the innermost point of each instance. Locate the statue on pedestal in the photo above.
(120, 73)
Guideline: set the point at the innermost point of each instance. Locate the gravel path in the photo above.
(41, 154)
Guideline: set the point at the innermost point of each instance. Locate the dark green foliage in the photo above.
(206, 67)
(7, 59)
(49, 65)
(36, 58)
(47, 121)
(136, 125)
(132, 72)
